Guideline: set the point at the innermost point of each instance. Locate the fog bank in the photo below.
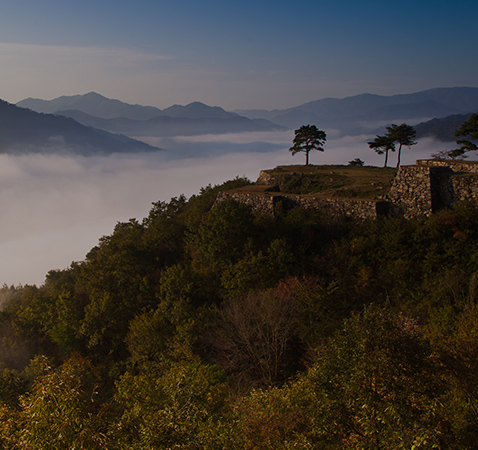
(55, 208)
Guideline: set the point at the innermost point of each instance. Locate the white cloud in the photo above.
(55, 208)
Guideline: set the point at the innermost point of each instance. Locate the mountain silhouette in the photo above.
(26, 131)
(359, 114)
(93, 104)
(362, 112)
(115, 116)
(442, 129)
(198, 110)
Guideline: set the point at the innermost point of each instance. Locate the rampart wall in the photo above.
(431, 185)
(422, 189)
(268, 202)
(456, 166)
(412, 191)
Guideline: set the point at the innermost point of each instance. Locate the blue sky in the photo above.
(247, 54)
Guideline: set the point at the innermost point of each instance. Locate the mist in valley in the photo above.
(55, 208)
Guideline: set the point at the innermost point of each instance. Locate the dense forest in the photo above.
(204, 327)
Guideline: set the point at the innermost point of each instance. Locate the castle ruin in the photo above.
(421, 189)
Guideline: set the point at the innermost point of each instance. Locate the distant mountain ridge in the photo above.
(196, 118)
(362, 112)
(442, 129)
(26, 131)
(359, 114)
(93, 104)
(171, 126)
(197, 110)
(96, 105)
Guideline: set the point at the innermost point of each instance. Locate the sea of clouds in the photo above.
(55, 208)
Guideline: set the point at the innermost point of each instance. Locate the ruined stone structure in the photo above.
(431, 185)
(422, 189)
(269, 202)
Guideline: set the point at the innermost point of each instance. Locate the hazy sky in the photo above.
(242, 54)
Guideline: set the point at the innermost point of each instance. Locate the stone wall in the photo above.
(411, 190)
(431, 185)
(456, 166)
(361, 209)
(416, 190)
(465, 187)
(267, 202)
(266, 179)
(264, 202)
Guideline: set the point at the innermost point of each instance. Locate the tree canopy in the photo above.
(468, 132)
(381, 145)
(307, 138)
(396, 134)
(403, 135)
(221, 327)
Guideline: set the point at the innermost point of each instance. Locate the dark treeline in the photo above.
(200, 328)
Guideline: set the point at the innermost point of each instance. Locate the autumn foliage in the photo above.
(223, 328)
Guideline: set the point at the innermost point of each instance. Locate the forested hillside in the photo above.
(221, 328)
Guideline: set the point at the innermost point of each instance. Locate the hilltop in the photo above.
(363, 192)
(368, 182)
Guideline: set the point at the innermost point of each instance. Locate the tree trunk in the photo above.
(399, 155)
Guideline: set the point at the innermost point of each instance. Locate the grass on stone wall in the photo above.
(334, 180)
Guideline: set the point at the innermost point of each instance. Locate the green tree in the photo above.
(382, 145)
(468, 132)
(357, 162)
(402, 134)
(178, 408)
(375, 385)
(63, 409)
(307, 138)
(119, 276)
(12, 386)
(458, 351)
(269, 418)
(223, 236)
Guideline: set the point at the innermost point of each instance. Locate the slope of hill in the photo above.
(218, 328)
(442, 129)
(26, 131)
